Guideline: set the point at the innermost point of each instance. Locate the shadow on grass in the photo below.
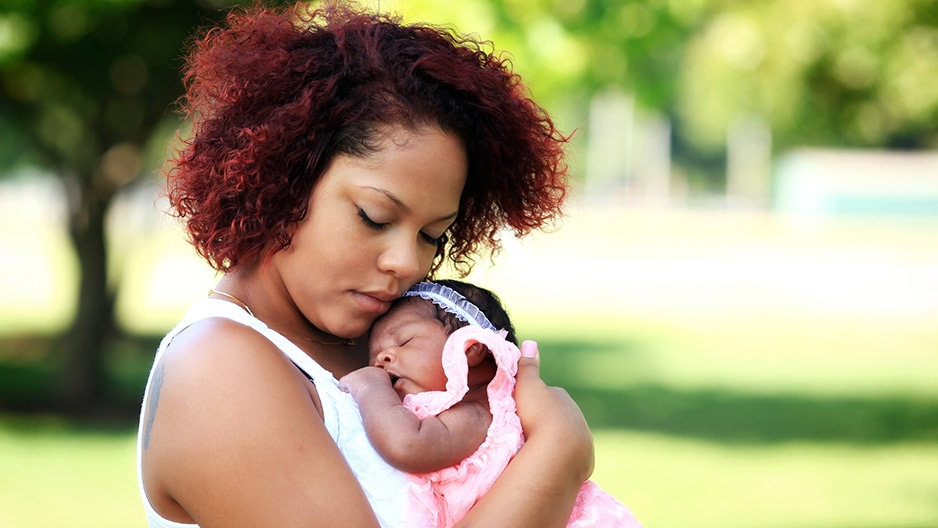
(736, 417)
(720, 415)
(30, 372)
(729, 416)
(50, 425)
(881, 525)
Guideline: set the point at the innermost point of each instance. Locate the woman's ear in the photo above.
(476, 354)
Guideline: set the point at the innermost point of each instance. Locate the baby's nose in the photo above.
(383, 358)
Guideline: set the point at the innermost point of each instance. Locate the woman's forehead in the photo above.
(423, 169)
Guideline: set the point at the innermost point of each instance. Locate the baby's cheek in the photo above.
(372, 358)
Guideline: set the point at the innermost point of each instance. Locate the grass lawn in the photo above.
(678, 482)
(56, 474)
(737, 371)
(710, 446)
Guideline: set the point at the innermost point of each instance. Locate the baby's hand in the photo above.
(355, 381)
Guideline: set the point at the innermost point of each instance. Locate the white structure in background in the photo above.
(816, 183)
(749, 163)
(629, 153)
(37, 263)
(158, 274)
(629, 150)
(609, 139)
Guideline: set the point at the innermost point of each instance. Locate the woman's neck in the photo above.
(269, 302)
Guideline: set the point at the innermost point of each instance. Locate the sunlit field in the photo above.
(739, 369)
(56, 474)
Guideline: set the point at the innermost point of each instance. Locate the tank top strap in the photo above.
(326, 383)
(207, 308)
(384, 486)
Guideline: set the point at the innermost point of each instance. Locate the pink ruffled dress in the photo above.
(442, 498)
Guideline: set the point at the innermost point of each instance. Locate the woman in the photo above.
(336, 159)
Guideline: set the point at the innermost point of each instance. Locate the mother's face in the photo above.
(372, 228)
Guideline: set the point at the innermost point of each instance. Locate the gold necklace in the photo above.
(344, 342)
(242, 304)
(237, 301)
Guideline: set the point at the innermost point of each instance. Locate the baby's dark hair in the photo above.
(484, 300)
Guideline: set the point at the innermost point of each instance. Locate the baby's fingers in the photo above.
(344, 383)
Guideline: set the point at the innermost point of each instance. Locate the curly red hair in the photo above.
(276, 94)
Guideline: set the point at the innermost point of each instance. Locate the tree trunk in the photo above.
(82, 382)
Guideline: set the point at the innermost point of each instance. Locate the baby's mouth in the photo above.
(394, 380)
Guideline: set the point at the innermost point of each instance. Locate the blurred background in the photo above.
(743, 296)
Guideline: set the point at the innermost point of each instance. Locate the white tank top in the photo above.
(384, 486)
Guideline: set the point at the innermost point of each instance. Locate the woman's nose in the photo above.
(401, 259)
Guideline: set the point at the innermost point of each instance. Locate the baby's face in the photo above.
(408, 344)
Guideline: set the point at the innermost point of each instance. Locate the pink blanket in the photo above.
(442, 498)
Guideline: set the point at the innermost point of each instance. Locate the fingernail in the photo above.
(529, 349)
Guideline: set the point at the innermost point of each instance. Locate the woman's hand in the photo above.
(540, 484)
(551, 413)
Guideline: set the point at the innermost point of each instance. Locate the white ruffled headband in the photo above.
(451, 301)
(455, 366)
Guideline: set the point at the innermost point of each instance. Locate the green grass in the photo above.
(789, 423)
(709, 447)
(678, 482)
(790, 354)
(59, 474)
(723, 390)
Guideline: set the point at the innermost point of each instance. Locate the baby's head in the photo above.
(408, 340)
(484, 300)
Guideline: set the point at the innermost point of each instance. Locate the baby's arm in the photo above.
(407, 442)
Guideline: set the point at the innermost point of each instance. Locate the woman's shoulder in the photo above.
(209, 335)
(217, 371)
(225, 402)
(217, 347)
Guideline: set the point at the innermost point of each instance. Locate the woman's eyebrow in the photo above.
(390, 196)
(401, 205)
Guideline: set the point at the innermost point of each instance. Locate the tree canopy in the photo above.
(85, 85)
(820, 72)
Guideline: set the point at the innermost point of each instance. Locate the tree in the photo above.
(83, 86)
(859, 73)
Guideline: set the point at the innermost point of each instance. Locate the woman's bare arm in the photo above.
(409, 443)
(235, 438)
(539, 486)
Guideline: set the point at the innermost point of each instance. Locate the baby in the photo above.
(437, 402)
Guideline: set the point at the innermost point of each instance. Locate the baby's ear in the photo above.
(476, 354)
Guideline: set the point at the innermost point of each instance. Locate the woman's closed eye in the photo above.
(433, 241)
(378, 226)
(369, 222)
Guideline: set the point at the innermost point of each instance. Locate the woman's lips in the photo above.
(376, 303)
